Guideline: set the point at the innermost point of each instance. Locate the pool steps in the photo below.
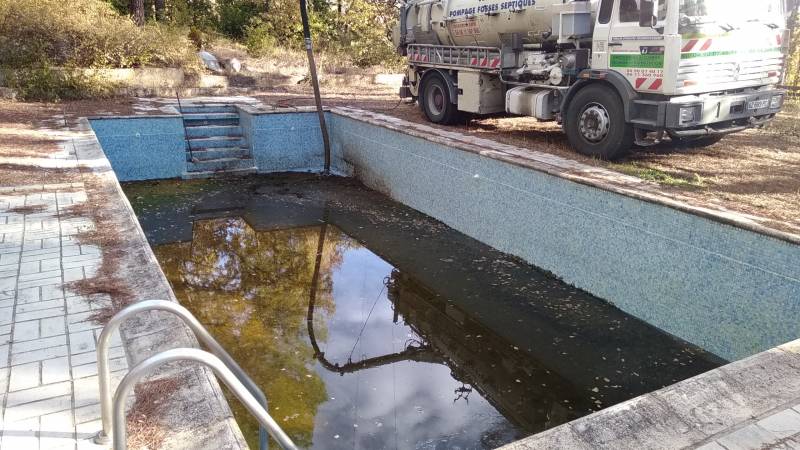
(215, 142)
(207, 154)
(212, 130)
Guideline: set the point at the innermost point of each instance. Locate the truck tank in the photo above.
(486, 22)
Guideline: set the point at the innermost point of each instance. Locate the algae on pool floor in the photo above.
(368, 324)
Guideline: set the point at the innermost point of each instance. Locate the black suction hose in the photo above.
(315, 83)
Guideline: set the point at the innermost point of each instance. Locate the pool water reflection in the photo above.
(370, 325)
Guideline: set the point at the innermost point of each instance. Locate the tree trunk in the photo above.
(137, 11)
(160, 10)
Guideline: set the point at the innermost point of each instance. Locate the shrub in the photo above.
(85, 33)
(366, 25)
(793, 60)
(235, 17)
(45, 83)
(258, 38)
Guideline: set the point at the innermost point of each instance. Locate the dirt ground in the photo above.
(756, 173)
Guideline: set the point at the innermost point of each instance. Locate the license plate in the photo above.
(758, 104)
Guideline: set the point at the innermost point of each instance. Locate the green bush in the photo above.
(45, 83)
(365, 33)
(258, 38)
(793, 60)
(85, 33)
(235, 17)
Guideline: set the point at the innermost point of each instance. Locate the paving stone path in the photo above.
(48, 371)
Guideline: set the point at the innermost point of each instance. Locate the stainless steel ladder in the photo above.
(223, 365)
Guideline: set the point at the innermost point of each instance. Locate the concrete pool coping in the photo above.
(700, 411)
(206, 420)
(730, 407)
(564, 168)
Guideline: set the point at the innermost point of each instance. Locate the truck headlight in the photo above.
(776, 102)
(688, 115)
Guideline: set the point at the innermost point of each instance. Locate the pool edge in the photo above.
(144, 337)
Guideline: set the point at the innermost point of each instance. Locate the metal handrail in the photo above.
(104, 375)
(185, 131)
(220, 369)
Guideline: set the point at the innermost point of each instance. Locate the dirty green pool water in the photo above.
(370, 325)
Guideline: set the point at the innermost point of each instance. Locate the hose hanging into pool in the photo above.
(312, 66)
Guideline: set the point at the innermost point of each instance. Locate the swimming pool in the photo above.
(371, 325)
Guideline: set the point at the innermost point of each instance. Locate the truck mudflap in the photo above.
(405, 92)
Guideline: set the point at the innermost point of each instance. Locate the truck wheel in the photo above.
(435, 101)
(595, 123)
(697, 142)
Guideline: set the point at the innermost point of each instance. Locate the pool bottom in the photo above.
(371, 325)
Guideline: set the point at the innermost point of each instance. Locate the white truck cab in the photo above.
(612, 72)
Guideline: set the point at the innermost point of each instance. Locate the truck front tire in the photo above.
(435, 101)
(595, 123)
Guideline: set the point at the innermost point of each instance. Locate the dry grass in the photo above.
(27, 174)
(144, 429)
(20, 138)
(106, 281)
(27, 209)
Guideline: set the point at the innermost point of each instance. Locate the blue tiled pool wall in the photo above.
(143, 148)
(286, 142)
(728, 290)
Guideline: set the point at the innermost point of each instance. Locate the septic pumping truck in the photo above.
(613, 73)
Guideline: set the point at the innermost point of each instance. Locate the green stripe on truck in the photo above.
(636, 60)
(728, 53)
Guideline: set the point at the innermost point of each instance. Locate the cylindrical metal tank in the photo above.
(483, 22)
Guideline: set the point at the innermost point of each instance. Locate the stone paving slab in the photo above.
(48, 364)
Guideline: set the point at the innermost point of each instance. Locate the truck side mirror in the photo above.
(647, 14)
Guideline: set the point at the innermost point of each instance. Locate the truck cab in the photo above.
(612, 72)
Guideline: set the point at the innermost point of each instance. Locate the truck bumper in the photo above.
(707, 115)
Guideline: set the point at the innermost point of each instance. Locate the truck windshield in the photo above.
(732, 11)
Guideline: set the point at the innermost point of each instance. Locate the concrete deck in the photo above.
(49, 374)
